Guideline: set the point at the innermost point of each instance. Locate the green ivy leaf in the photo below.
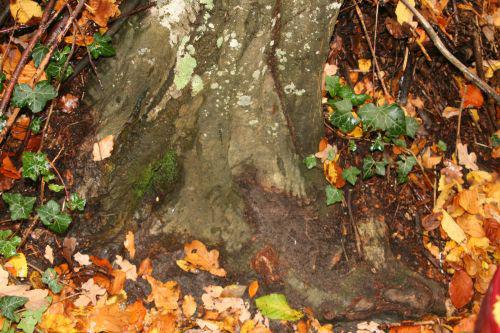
(310, 161)
(345, 92)
(372, 167)
(351, 175)
(50, 277)
(332, 84)
(76, 203)
(3, 77)
(352, 145)
(378, 144)
(51, 216)
(39, 52)
(101, 46)
(30, 318)
(9, 304)
(56, 187)
(358, 99)
(342, 116)
(333, 195)
(495, 140)
(399, 142)
(20, 207)
(405, 165)
(412, 126)
(35, 99)
(36, 125)
(275, 306)
(35, 165)
(8, 244)
(442, 145)
(389, 118)
(57, 63)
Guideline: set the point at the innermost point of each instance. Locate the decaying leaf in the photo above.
(103, 148)
(253, 287)
(100, 11)
(466, 159)
(127, 267)
(452, 229)
(90, 292)
(130, 244)
(49, 254)
(461, 290)
(165, 295)
(24, 11)
(197, 257)
(188, 306)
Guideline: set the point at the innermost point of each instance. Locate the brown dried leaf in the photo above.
(199, 258)
(460, 290)
(466, 159)
(432, 221)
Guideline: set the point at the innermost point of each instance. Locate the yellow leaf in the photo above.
(188, 306)
(24, 10)
(452, 229)
(479, 177)
(455, 255)
(478, 242)
(57, 323)
(129, 244)
(364, 65)
(17, 266)
(403, 14)
(474, 115)
(357, 132)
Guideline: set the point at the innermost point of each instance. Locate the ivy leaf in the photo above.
(36, 125)
(56, 188)
(275, 306)
(101, 46)
(35, 165)
(51, 216)
(3, 77)
(30, 318)
(9, 304)
(442, 145)
(342, 116)
(35, 99)
(332, 84)
(39, 52)
(399, 142)
(309, 161)
(8, 244)
(378, 144)
(352, 146)
(77, 203)
(358, 99)
(405, 165)
(345, 92)
(372, 167)
(57, 63)
(351, 175)
(390, 118)
(20, 207)
(49, 277)
(412, 126)
(495, 140)
(333, 195)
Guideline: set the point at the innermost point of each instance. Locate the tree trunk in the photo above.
(213, 107)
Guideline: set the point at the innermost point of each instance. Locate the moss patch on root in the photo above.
(158, 177)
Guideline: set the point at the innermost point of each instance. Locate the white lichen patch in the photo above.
(196, 85)
(291, 89)
(184, 70)
(233, 43)
(220, 40)
(333, 6)
(245, 100)
(177, 16)
(143, 51)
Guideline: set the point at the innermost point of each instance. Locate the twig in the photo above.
(372, 50)
(28, 231)
(448, 55)
(459, 122)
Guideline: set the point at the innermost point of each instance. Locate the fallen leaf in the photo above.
(17, 266)
(130, 244)
(330, 69)
(473, 96)
(100, 11)
(8, 169)
(429, 161)
(410, 329)
(471, 225)
(165, 295)
(163, 323)
(89, 294)
(79, 40)
(188, 306)
(461, 289)
(253, 288)
(20, 128)
(24, 11)
(197, 257)
(466, 159)
(69, 246)
(127, 267)
(333, 174)
(403, 14)
(328, 153)
(364, 65)
(469, 200)
(450, 111)
(275, 306)
(103, 148)
(432, 221)
(68, 103)
(118, 282)
(49, 254)
(145, 268)
(452, 229)
(82, 259)
(466, 324)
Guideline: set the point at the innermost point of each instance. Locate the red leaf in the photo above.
(6, 183)
(461, 289)
(473, 96)
(8, 169)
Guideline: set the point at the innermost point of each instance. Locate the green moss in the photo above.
(159, 176)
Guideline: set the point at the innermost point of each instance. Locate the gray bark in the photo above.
(216, 154)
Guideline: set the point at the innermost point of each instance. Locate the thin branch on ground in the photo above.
(448, 55)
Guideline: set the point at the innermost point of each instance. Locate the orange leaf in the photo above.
(118, 282)
(8, 169)
(469, 200)
(20, 128)
(103, 263)
(333, 173)
(165, 295)
(198, 257)
(100, 11)
(473, 96)
(253, 288)
(322, 144)
(129, 244)
(410, 329)
(79, 40)
(145, 268)
(164, 323)
(461, 290)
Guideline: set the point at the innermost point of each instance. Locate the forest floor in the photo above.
(439, 180)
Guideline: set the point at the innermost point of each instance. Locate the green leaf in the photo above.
(358, 99)
(275, 306)
(351, 175)
(333, 195)
(378, 144)
(8, 244)
(30, 318)
(51, 216)
(442, 145)
(405, 165)
(372, 167)
(345, 92)
(412, 126)
(39, 52)
(50, 277)
(35, 165)
(342, 116)
(3, 121)
(7, 327)
(389, 118)
(310, 161)
(332, 84)
(56, 187)
(352, 145)
(77, 203)
(57, 63)
(3, 77)
(9, 304)
(35, 99)
(495, 140)
(36, 125)
(399, 142)
(20, 207)
(101, 46)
